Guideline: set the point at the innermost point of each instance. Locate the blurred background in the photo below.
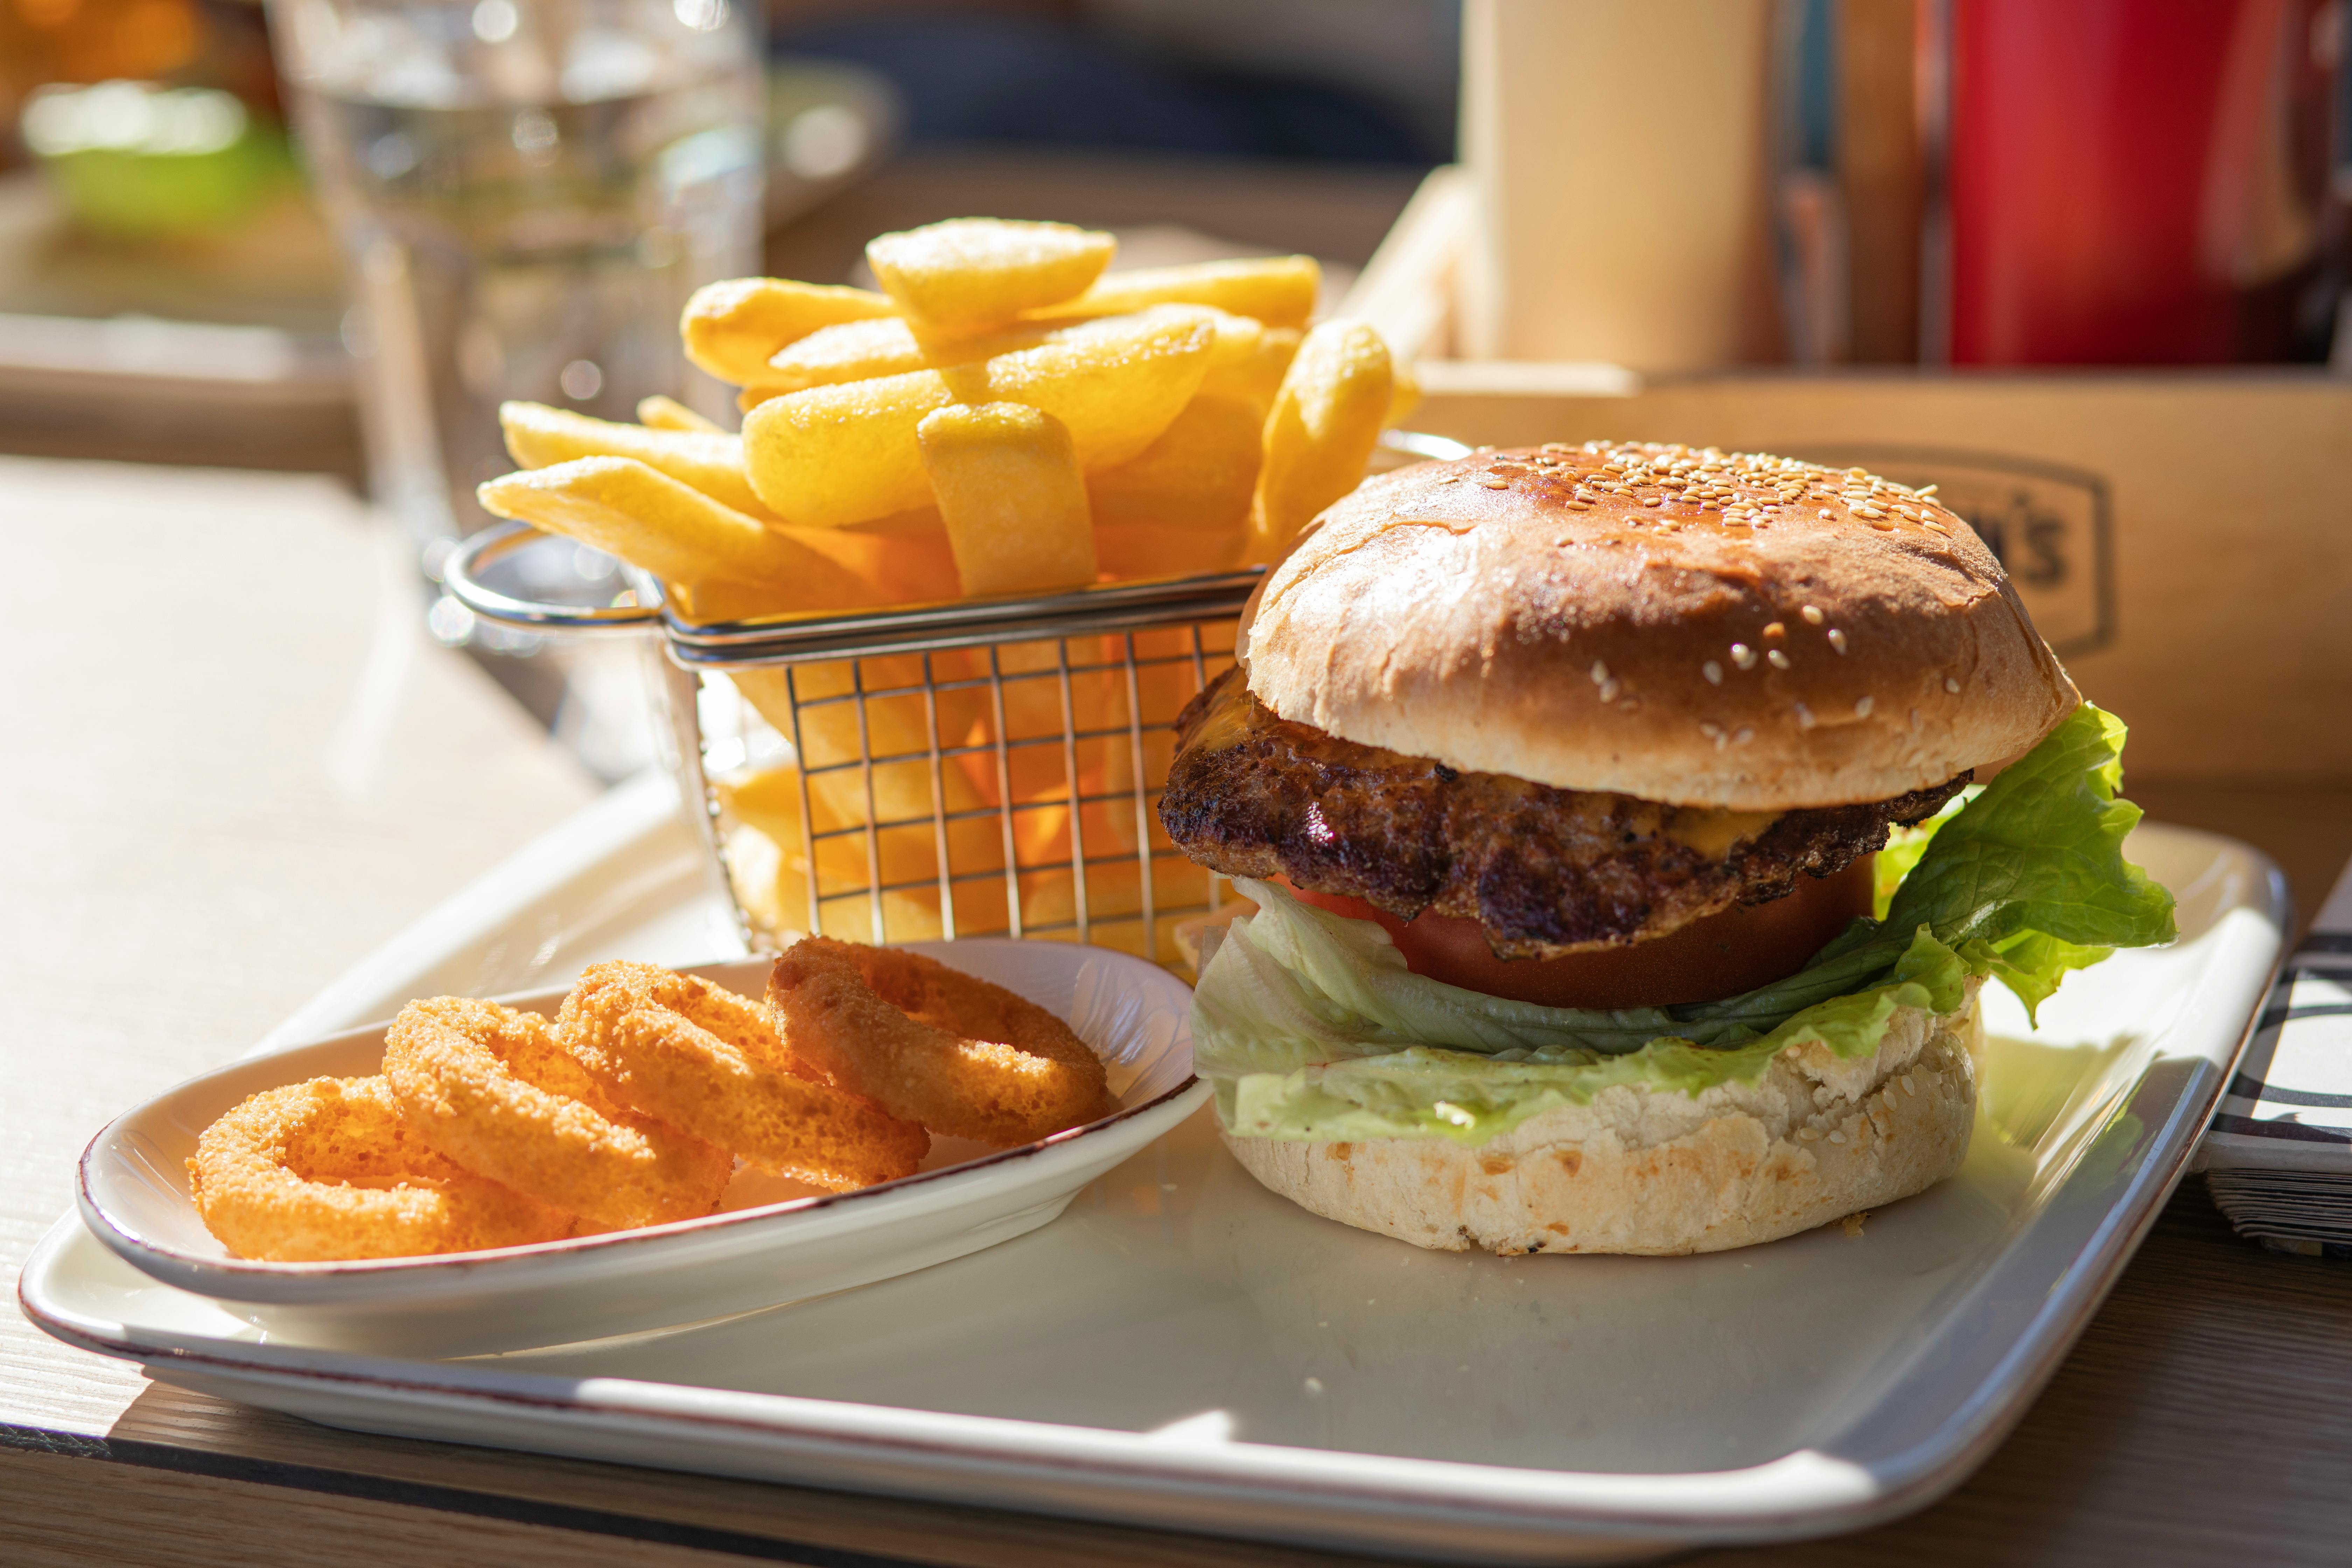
(332, 235)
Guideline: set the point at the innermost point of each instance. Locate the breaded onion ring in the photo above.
(493, 1090)
(706, 1059)
(932, 1044)
(326, 1170)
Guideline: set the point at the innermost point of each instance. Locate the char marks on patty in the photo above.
(1545, 870)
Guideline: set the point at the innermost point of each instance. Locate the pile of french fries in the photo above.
(1004, 416)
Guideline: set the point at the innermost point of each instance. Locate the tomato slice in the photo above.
(1711, 958)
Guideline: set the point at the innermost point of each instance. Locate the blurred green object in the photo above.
(136, 159)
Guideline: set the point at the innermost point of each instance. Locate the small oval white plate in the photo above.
(773, 1242)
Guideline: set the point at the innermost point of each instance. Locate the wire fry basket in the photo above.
(987, 767)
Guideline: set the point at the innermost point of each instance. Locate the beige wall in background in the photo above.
(1618, 147)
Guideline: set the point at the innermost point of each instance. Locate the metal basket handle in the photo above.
(458, 575)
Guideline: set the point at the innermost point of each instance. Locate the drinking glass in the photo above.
(527, 192)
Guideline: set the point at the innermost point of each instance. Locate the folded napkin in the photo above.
(2278, 1157)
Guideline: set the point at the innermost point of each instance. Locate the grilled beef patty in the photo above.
(1545, 870)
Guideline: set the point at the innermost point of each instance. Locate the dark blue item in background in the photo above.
(1015, 79)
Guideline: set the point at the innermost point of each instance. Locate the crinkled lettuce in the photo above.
(1309, 1023)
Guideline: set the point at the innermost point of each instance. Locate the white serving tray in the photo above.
(1182, 1348)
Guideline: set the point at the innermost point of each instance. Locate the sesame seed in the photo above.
(1924, 491)
(1742, 735)
(1600, 673)
(1713, 671)
(1776, 631)
(1805, 719)
(1836, 1137)
(1837, 640)
(1863, 706)
(1871, 512)
(1939, 528)
(1494, 484)
(1827, 515)
(1609, 689)
(1778, 659)
(1813, 615)
(1950, 685)
(1743, 655)
(1809, 1134)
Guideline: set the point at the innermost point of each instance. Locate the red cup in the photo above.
(2137, 181)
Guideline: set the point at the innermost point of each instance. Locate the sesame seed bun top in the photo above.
(1698, 628)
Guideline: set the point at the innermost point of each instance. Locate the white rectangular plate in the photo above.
(1182, 1348)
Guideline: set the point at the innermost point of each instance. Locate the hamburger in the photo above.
(1621, 871)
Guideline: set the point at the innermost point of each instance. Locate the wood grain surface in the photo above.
(234, 767)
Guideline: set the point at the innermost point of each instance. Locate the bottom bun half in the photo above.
(1815, 1138)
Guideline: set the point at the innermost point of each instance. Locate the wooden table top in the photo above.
(235, 765)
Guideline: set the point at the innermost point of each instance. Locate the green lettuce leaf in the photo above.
(2041, 849)
(1309, 1023)
(1293, 1062)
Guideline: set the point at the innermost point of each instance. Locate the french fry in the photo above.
(861, 350)
(973, 273)
(1117, 383)
(895, 730)
(852, 350)
(623, 507)
(838, 454)
(768, 861)
(1256, 376)
(1010, 491)
(1125, 550)
(730, 329)
(659, 413)
(1199, 475)
(710, 461)
(902, 559)
(770, 884)
(1278, 289)
(907, 557)
(1320, 435)
(829, 456)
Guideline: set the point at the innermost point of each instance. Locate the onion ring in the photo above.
(494, 1090)
(708, 1060)
(325, 1170)
(932, 1044)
